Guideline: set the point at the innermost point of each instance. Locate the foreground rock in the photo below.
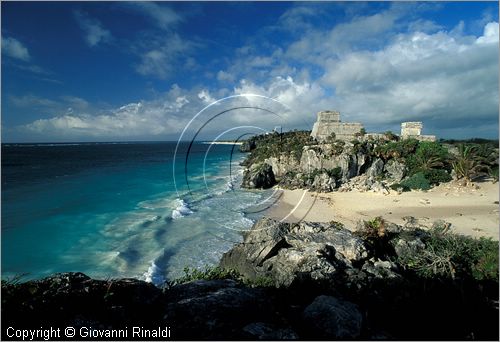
(216, 309)
(328, 317)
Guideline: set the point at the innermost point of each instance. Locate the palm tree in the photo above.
(428, 156)
(468, 164)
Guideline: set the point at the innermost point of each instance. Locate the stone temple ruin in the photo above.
(328, 122)
(413, 130)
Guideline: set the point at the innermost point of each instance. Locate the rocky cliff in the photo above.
(321, 167)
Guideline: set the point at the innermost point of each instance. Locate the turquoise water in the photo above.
(114, 210)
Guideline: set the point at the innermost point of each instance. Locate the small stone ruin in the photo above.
(413, 130)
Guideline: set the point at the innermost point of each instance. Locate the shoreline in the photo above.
(222, 142)
(471, 211)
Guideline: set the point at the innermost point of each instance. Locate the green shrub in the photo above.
(494, 174)
(451, 255)
(428, 156)
(277, 144)
(331, 138)
(417, 181)
(437, 176)
(335, 172)
(218, 273)
(209, 273)
(396, 149)
(261, 281)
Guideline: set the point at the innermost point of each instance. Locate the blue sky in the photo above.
(106, 71)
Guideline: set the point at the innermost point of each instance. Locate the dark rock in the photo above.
(215, 309)
(266, 331)
(331, 318)
(259, 176)
(68, 298)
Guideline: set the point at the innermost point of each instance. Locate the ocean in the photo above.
(116, 210)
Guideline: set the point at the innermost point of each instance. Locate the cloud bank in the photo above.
(379, 69)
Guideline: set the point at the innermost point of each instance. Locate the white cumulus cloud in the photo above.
(15, 49)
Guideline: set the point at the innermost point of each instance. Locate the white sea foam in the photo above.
(181, 210)
(154, 275)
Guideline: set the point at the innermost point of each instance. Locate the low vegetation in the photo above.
(218, 273)
(453, 256)
(275, 144)
(444, 254)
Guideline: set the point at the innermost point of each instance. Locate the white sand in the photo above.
(470, 210)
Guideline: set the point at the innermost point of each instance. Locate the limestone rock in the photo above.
(395, 170)
(380, 269)
(282, 165)
(259, 176)
(294, 253)
(331, 318)
(323, 183)
(408, 245)
(376, 168)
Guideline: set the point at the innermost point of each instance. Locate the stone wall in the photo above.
(329, 122)
(414, 130)
(410, 129)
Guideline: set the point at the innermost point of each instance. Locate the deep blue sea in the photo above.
(113, 209)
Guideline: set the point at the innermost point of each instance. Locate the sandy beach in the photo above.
(472, 210)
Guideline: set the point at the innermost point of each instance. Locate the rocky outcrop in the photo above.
(285, 163)
(259, 176)
(376, 169)
(322, 157)
(395, 170)
(364, 183)
(294, 253)
(323, 183)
